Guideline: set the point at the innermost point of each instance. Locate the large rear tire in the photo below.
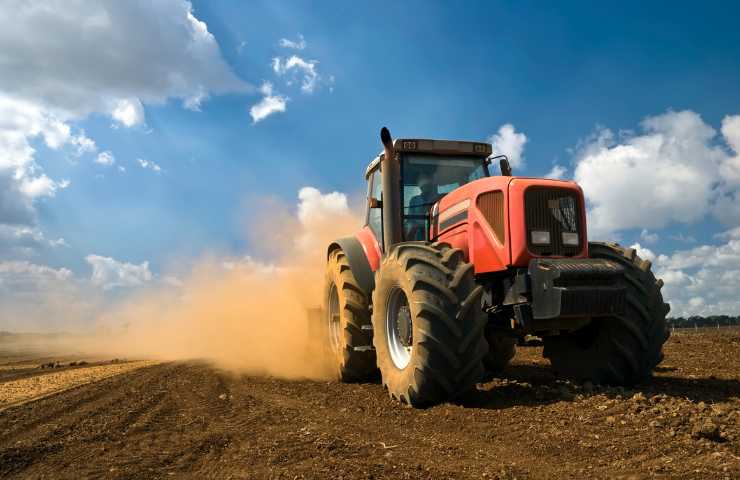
(621, 350)
(428, 324)
(347, 317)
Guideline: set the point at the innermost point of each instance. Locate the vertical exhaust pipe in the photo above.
(390, 170)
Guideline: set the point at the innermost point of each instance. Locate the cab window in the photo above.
(426, 179)
(375, 215)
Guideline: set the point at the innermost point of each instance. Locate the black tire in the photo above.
(501, 349)
(350, 344)
(448, 342)
(620, 350)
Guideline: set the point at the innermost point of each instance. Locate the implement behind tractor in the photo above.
(455, 264)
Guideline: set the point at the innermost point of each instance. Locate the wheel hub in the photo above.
(404, 327)
(335, 326)
(399, 328)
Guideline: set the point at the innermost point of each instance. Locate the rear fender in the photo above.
(358, 261)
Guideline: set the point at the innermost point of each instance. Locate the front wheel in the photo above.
(427, 323)
(623, 349)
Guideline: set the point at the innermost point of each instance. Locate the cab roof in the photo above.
(435, 147)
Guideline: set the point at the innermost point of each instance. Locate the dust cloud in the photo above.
(242, 314)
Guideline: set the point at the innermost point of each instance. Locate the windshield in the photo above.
(426, 178)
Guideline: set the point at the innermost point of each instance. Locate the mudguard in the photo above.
(357, 261)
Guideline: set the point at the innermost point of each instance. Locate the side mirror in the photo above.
(503, 163)
(505, 167)
(373, 202)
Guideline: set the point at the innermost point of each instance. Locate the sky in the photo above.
(136, 137)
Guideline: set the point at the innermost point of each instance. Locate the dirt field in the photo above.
(186, 420)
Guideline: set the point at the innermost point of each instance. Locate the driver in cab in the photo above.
(419, 206)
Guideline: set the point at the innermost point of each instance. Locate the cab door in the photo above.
(371, 237)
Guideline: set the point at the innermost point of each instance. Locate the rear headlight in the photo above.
(540, 237)
(570, 239)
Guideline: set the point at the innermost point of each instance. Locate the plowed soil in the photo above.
(189, 420)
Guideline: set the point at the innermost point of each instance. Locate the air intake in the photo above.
(491, 204)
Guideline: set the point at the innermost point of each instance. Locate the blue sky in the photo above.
(577, 80)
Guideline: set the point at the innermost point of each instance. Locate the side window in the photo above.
(374, 217)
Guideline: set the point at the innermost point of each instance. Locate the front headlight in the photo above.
(570, 239)
(540, 237)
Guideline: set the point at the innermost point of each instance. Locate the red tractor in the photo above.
(455, 264)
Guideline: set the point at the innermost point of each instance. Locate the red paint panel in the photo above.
(480, 244)
(457, 237)
(370, 246)
(520, 254)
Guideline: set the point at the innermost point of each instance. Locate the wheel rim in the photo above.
(335, 328)
(399, 329)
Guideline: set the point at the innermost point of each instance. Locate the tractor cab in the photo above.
(429, 169)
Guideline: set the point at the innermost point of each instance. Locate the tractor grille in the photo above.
(555, 210)
(597, 301)
(491, 204)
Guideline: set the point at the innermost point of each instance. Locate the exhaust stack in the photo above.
(390, 170)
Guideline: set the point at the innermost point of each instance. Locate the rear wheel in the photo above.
(622, 349)
(427, 322)
(347, 312)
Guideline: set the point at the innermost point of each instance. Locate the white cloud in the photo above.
(41, 186)
(194, 101)
(79, 57)
(673, 170)
(21, 121)
(62, 61)
(270, 103)
(648, 237)
(21, 179)
(665, 175)
(557, 172)
(110, 273)
(83, 144)
(730, 169)
(296, 45)
(314, 206)
(680, 237)
(149, 165)
(16, 275)
(306, 69)
(59, 242)
(128, 112)
(703, 280)
(727, 206)
(317, 214)
(644, 252)
(511, 143)
(105, 158)
(16, 207)
(19, 241)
